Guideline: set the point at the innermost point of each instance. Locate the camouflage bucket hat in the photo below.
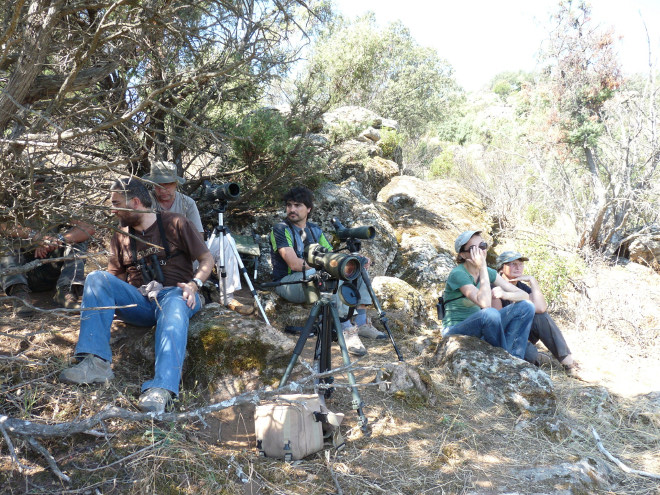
(508, 257)
(163, 173)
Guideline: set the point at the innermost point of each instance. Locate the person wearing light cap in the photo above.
(511, 266)
(165, 181)
(468, 300)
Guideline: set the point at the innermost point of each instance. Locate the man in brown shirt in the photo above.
(150, 270)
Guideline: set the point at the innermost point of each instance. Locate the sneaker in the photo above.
(543, 359)
(240, 308)
(21, 307)
(353, 343)
(91, 369)
(66, 298)
(155, 400)
(370, 332)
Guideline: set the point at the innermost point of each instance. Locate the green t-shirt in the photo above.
(460, 307)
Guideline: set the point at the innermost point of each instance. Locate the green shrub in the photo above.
(552, 269)
(442, 165)
(342, 131)
(389, 141)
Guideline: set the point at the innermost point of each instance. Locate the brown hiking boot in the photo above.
(67, 297)
(21, 307)
(240, 308)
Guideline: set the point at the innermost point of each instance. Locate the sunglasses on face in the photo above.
(482, 245)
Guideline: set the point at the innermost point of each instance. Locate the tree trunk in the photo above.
(595, 216)
(42, 17)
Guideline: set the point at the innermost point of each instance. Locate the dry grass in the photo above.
(458, 445)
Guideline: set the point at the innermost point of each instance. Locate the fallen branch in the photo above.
(616, 461)
(29, 430)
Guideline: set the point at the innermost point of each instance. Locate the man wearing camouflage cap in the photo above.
(165, 181)
(511, 265)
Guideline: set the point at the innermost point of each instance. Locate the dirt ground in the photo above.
(456, 444)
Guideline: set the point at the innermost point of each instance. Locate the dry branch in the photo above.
(616, 461)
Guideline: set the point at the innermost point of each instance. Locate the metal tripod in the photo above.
(226, 237)
(329, 323)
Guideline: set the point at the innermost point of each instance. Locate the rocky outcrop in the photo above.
(353, 209)
(496, 376)
(405, 307)
(227, 353)
(428, 216)
(646, 250)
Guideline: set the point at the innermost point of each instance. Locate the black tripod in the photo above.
(325, 316)
(220, 207)
(353, 245)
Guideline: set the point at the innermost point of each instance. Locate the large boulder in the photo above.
(353, 209)
(352, 115)
(645, 250)
(496, 375)
(230, 354)
(404, 305)
(354, 159)
(428, 216)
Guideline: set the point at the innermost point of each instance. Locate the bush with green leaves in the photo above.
(390, 140)
(553, 269)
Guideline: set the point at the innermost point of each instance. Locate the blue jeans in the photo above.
(171, 319)
(507, 328)
(297, 293)
(49, 275)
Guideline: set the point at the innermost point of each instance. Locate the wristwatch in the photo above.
(198, 282)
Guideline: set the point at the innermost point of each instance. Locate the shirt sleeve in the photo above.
(192, 213)
(190, 238)
(492, 275)
(458, 278)
(280, 237)
(115, 266)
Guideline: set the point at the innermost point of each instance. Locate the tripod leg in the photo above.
(244, 272)
(323, 350)
(221, 268)
(300, 344)
(357, 400)
(381, 314)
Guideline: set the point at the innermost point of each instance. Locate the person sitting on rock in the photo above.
(469, 300)
(165, 180)
(150, 281)
(511, 266)
(287, 243)
(66, 240)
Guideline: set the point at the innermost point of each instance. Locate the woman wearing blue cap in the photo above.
(468, 300)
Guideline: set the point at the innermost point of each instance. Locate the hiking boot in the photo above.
(21, 291)
(543, 360)
(67, 297)
(353, 343)
(240, 308)
(155, 400)
(91, 369)
(370, 332)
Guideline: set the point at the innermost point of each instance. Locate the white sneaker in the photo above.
(353, 343)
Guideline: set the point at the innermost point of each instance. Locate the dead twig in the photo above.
(616, 461)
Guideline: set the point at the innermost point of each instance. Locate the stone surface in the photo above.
(363, 162)
(229, 353)
(352, 115)
(371, 134)
(428, 216)
(496, 375)
(646, 250)
(588, 475)
(403, 304)
(406, 381)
